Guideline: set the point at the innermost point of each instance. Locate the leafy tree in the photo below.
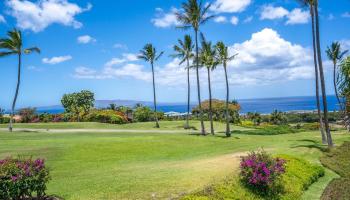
(278, 118)
(112, 106)
(13, 45)
(143, 114)
(255, 117)
(224, 57)
(78, 103)
(195, 14)
(207, 58)
(335, 54)
(149, 54)
(184, 51)
(27, 114)
(344, 87)
(312, 4)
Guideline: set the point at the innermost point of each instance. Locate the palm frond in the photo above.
(3, 54)
(31, 50)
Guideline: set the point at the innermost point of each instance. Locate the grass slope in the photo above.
(146, 165)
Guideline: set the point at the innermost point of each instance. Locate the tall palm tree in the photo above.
(207, 58)
(310, 4)
(195, 14)
(335, 54)
(323, 82)
(184, 51)
(149, 54)
(13, 45)
(223, 57)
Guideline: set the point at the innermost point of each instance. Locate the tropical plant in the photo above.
(149, 54)
(223, 57)
(344, 87)
(324, 123)
(13, 45)
(207, 59)
(27, 114)
(184, 51)
(255, 117)
(79, 103)
(278, 118)
(335, 54)
(193, 16)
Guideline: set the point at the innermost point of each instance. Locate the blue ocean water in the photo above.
(266, 105)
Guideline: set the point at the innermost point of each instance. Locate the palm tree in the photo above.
(323, 82)
(207, 58)
(184, 51)
(310, 4)
(195, 14)
(335, 54)
(149, 54)
(13, 45)
(223, 57)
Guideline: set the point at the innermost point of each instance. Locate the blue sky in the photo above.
(93, 45)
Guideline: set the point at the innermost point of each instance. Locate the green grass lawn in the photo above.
(148, 165)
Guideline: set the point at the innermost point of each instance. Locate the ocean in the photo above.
(264, 106)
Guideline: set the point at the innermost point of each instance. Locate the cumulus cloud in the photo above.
(2, 19)
(345, 44)
(220, 19)
(85, 39)
(234, 20)
(120, 46)
(127, 57)
(265, 58)
(165, 20)
(37, 16)
(230, 6)
(56, 60)
(296, 16)
(248, 19)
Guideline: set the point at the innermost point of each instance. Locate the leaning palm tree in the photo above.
(207, 58)
(149, 54)
(311, 5)
(223, 57)
(323, 82)
(195, 14)
(184, 51)
(335, 54)
(13, 45)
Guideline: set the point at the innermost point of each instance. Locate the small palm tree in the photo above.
(224, 57)
(184, 51)
(195, 14)
(149, 54)
(13, 45)
(335, 54)
(207, 58)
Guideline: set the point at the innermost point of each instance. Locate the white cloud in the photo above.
(331, 17)
(271, 12)
(85, 39)
(2, 19)
(127, 57)
(165, 20)
(298, 16)
(120, 46)
(234, 20)
(346, 14)
(33, 68)
(266, 58)
(39, 15)
(230, 6)
(248, 19)
(56, 60)
(345, 44)
(220, 19)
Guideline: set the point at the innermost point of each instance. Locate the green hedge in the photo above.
(300, 174)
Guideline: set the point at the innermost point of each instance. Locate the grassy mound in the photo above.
(338, 161)
(299, 175)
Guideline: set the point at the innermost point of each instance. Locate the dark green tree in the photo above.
(79, 103)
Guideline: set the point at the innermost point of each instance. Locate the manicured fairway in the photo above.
(147, 165)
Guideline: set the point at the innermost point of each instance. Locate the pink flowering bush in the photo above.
(23, 178)
(261, 172)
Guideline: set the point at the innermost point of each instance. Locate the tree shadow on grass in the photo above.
(216, 135)
(314, 145)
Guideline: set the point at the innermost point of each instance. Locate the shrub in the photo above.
(27, 114)
(338, 189)
(107, 116)
(23, 178)
(261, 172)
(143, 114)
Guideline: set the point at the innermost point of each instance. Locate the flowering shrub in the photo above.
(261, 172)
(22, 178)
(106, 116)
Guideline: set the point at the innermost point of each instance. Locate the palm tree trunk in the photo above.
(335, 85)
(198, 86)
(210, 105)
(323, 84)
(323, 135)
(17, 90)
(187, 126)
(228, 131)
(154, 98)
